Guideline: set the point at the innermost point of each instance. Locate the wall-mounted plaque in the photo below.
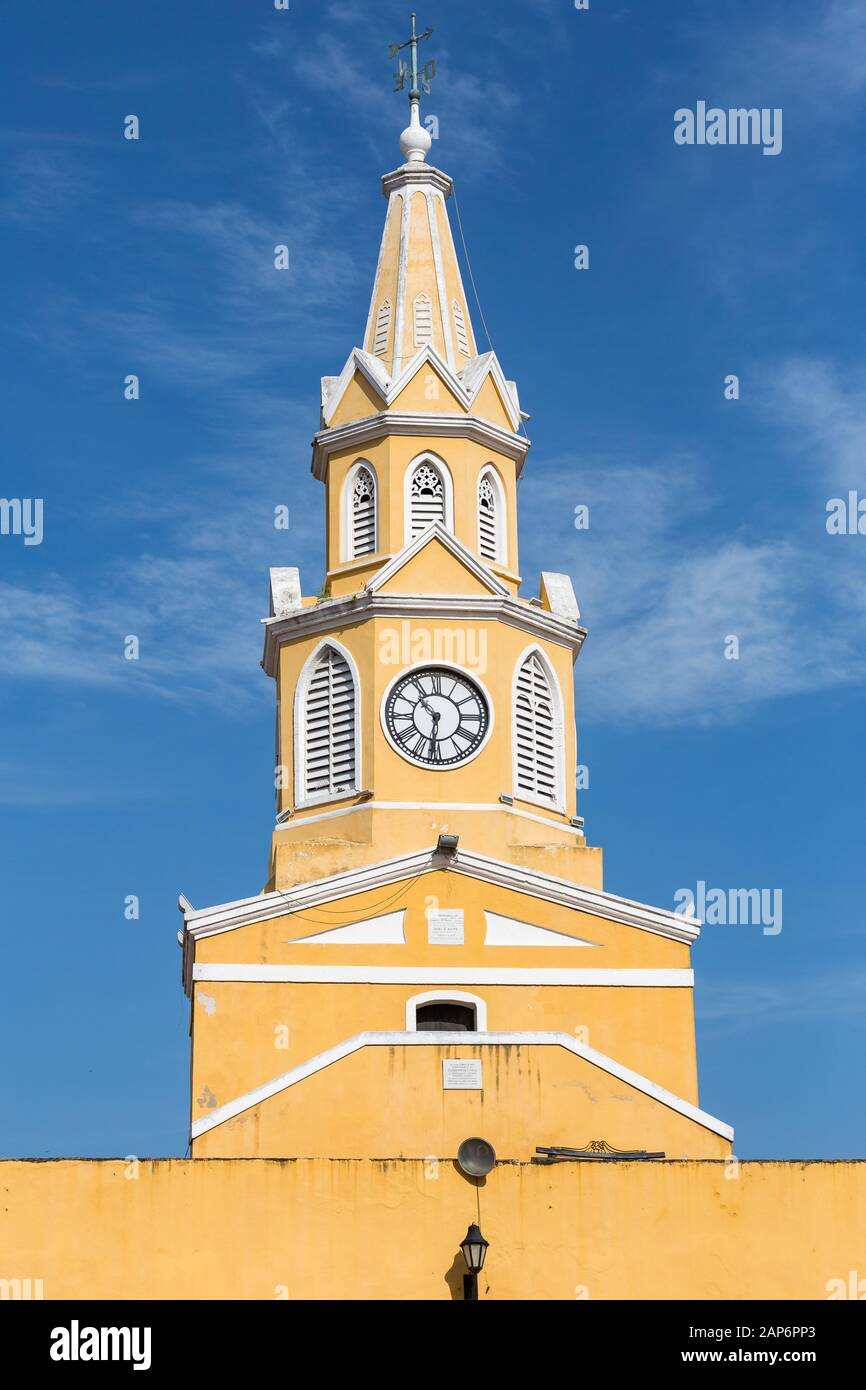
(445, 926)
(461, 1074)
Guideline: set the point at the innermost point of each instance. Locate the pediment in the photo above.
(436, 562)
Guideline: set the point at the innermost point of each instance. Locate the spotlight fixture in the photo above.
(475, 1157)
(447, 844)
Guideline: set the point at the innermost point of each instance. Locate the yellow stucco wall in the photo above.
(490, 652)
(390, 458)
(256, 1229)
(533, 1094)
(246, 1033)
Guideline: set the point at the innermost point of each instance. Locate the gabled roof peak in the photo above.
(437, 532)
(464, 384)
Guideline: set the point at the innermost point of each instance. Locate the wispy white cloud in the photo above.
(837, 995)
(821, 50)
(42, 183)
(475, 116)
(662, 585)
(823, 412)
(813, 52)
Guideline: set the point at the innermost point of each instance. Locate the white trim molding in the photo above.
(418, 423)
(445, 996)
(577, 897)
(332, 614)
(632, 977)
(500, 808)
(436, 531)
(476, 1040)
(464, 385)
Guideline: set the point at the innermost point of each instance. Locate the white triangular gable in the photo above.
(386, 930)
(508, 931)
(438, 532)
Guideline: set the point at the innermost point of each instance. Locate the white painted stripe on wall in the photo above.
(302, 819)
(436, 975)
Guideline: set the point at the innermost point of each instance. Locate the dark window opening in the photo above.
(444, 1017)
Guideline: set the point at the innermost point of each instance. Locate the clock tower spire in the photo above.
(431, 899)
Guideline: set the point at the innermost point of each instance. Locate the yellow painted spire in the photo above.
(418, 295)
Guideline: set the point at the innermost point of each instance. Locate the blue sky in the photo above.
(707, 515)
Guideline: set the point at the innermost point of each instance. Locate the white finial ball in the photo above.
(416, 140)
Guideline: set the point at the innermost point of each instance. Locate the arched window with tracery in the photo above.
(362, 513)
(426, 498)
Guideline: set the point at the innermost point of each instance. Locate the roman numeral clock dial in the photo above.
(436, 717)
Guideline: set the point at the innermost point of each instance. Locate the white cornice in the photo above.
(488, 807)
(332, 614)
(419, 175)
(437, 532)
(211, 921)
(357, 433)
(474, 1041)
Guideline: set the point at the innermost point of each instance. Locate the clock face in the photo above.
(436, 717)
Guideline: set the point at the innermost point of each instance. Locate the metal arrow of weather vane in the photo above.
(409, 71)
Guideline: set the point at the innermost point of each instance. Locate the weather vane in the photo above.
(409, 71)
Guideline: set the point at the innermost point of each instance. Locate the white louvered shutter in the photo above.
(535, 727)
(363, 513)
(427, 500)
(460, 328)
(423, 320)
(487, 520)
(383, 328)
(329, 727)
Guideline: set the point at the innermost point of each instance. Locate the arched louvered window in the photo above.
(423, 320)
(362, 513)
(327, 727)
(383, 328)
(490, 517)
(426, 499)
(460, 328)
(536, 734)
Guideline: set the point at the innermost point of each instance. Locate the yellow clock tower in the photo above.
(434, 955)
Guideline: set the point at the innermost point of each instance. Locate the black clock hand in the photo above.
(435, 715)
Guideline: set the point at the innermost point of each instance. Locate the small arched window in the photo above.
(426, 499)
(423, 320)
(444, 1017)
(536, 736)
(448, 1011)
(491, 517)
(362, 514)
(327, 751)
